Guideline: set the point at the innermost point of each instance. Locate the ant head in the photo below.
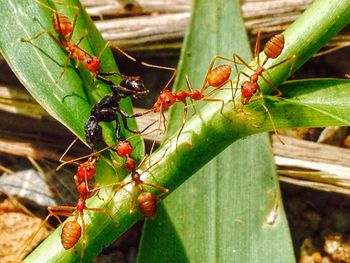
(124, 148)
(92, 64)
(165, 100)
(248, 90)
(135, 86)
(86, 170)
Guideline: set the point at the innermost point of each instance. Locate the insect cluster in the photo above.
(108, 109)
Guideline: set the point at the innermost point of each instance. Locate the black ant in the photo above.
(106, 110)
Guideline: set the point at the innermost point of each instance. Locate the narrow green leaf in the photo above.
(39, 64)
(309, 103)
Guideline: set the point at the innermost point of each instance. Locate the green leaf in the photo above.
(309, 103)
(221, 213)
(39, 63)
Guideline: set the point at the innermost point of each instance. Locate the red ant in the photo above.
(147, 201)
(65, 28)
(216, 77)
(72, 230)
(272, 49)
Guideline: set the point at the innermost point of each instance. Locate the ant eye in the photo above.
(168, 101)
(88, 61)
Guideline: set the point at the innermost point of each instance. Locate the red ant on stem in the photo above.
(146, 200)
(72, 230)
(272, 49)
(65, 29)
(216, 77)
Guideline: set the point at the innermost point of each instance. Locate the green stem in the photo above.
(204, 136)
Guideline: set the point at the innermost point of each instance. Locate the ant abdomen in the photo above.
(219, 75)
(147, 203)
(273, 48)
(70, 235)
(62, 24)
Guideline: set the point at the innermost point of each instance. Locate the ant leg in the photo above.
(184, 117)
(164, 120)
(257, 47)
(222, 105)
(163, 189)
(65, 66)
(40, 34)
(233, 94)
(147, 64)
(272, 122)
(139, 114)
(269, 115)
(113, 46)
(85, 33)
(83, 233)
(31, 238)
(105, 211)
(66, 151)
(241, 60)
(125, 116)
(63, 210)
(165, 68)
(132, 201)
(189, 86)
(103, 50)
(74, 23)
(279, 93)
(292, 58)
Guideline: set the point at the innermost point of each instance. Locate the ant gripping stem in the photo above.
(272, 49)
(216, 77)
(146, 200)
(72, 230)
(65, 29)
